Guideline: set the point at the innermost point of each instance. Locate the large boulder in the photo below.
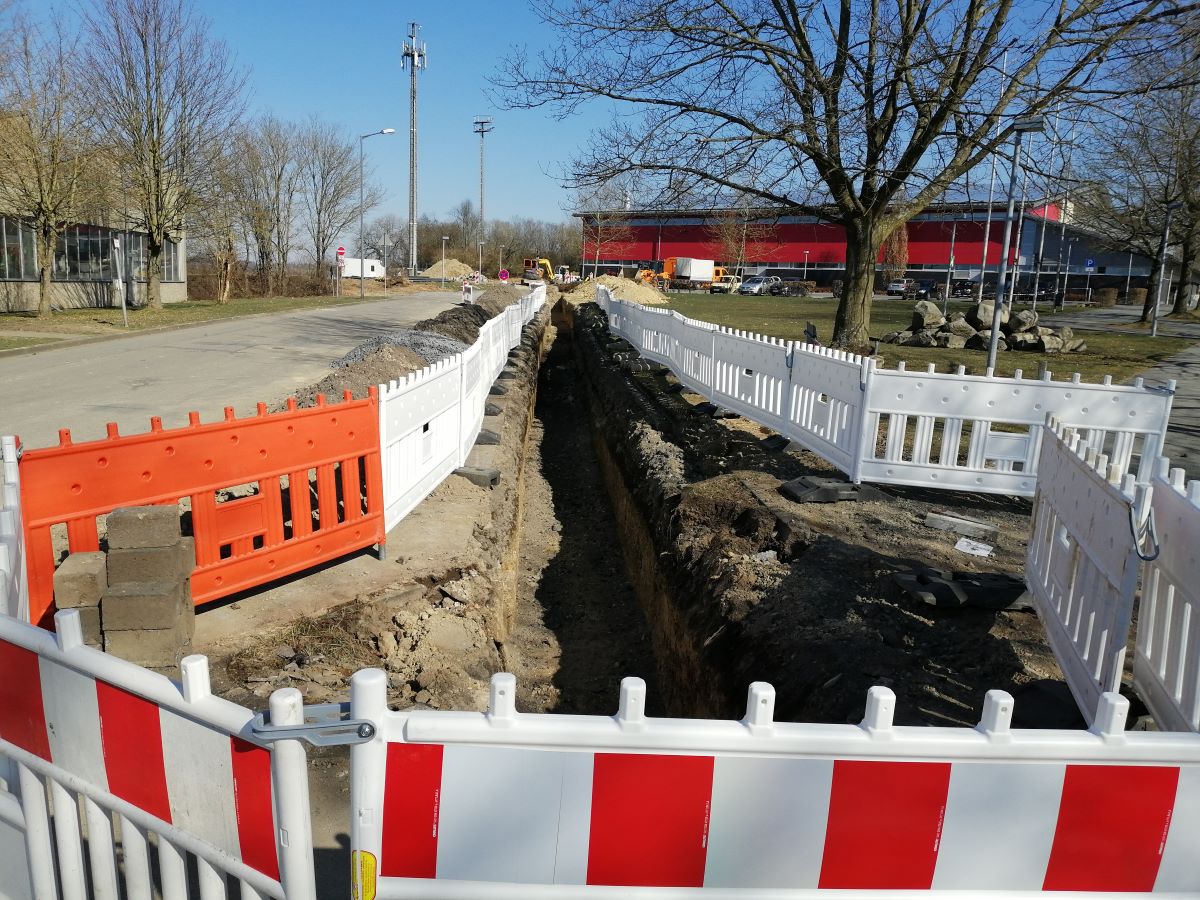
(981, 314)
(1050, 344)
(896, 337)
(980, 342)
(959, 325)
(1067, 333)
(920, 339)
(1024, 340)
(950, 340)
(926, 315)
(1075, 345)
(1024, 320)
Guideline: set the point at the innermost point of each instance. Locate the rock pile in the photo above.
(1021, 331)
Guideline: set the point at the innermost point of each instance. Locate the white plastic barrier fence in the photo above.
(1166, 662)
(1082, 563)
(429, 420)
(154, 767)
(14, 861)
(501, 804)
(14, 589)
(929, 429)
(981, 433)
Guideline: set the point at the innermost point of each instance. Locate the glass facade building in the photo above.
(84, 254)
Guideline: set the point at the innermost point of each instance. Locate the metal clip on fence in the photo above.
(1141, 532)
(324, 726)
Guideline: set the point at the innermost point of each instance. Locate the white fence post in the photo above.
(289, 777)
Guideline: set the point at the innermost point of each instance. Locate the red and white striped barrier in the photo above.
(168, 760)
(508, 805)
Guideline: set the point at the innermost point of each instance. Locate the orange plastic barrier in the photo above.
(329, 452)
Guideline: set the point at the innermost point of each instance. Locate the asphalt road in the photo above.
(237, 363)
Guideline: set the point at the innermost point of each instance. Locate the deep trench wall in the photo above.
(644, 475)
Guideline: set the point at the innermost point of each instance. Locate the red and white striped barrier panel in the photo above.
(508, 805)
(170, 760)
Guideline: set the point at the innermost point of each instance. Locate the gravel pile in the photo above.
(429, 346)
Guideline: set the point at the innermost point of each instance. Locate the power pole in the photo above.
(482, 125)
(415, 58)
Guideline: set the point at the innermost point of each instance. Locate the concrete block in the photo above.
(135, 527)
(139, 605)
(160, 647)
(146, 564)
(80, 580)
(89, 621)
(961, 525)
(187, 557)
(486, 478)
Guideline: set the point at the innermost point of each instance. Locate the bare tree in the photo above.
(605, 218)
(49, 164)
(330, 178)
(269, 178)
(738, 227)
(1149, 156)
(858, 112)
(164, 95)
(216, 224)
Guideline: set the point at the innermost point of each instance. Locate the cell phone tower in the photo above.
(415, 58)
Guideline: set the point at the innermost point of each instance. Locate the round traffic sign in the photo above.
(503, 275)
(341, 251)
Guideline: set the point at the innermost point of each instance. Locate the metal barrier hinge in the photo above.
(325, 725)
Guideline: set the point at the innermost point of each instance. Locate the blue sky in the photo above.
(343, 61)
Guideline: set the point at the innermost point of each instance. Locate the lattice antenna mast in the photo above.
(482, 125)
(415, 58)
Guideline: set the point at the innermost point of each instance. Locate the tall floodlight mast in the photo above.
(482, 126)
(415, 58)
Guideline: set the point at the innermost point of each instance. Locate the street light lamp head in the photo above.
(388, 131)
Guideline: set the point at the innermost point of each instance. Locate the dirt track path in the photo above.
(579, 626)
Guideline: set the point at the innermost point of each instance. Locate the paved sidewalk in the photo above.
(1183, 437)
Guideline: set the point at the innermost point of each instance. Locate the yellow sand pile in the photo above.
(621, 288)
(454, 269)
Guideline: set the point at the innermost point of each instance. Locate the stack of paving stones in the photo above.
(146, 611)
(79, 583)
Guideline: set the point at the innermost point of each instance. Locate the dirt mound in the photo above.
(388, 362)
(452, 269)
(496, 297)
(622, 289)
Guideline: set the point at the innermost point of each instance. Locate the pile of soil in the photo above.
(383, 365)
(452, 269)
(621, 288)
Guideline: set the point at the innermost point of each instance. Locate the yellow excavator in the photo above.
(538, 270)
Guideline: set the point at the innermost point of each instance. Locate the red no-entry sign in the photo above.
(341, 251)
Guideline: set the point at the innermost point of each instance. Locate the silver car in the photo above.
(759, 284)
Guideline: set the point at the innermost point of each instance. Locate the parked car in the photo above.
(726, 284)
(962, 287)
(901, 287)
(788, 289)
(759, 284)
(929, 290)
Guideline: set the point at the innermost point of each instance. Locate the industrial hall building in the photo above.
(961, 237)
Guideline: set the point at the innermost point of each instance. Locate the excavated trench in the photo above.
(631, 534)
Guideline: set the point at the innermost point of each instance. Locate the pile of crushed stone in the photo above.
(423, 347)
(621, 288)
(452, 269)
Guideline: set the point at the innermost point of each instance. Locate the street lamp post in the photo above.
(362, 282)
(1162, 266)
(1020, 128)
(1128, 275)
(1067, 273)
(445, 237)
(502, 249)
(806, 265)
(949, 267)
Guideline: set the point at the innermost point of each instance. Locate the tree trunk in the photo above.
(1191, 259)
(154, 249)
(852, 324)
(1152, 287)
(45, 250)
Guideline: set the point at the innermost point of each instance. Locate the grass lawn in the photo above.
(1120, 353)
(108, 321)
(7, 342)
